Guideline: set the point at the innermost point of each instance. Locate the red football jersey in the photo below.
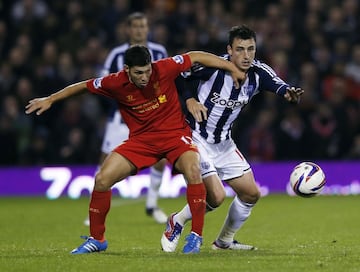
(155, 108)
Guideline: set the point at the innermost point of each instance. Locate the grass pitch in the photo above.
(292, 234)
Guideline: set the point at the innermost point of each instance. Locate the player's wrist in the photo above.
(190, 101)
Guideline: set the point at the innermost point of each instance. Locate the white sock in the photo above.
(185, 215)
(238, 213)
(153, 191)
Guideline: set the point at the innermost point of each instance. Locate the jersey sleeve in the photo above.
(198, 71)
(270, 81)
(100, 85)
(192, 78)
(188, 88)
(172, 67)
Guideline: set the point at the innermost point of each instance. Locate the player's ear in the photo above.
(229, 49)
(126, 68)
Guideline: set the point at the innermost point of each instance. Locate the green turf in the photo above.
(292, 234)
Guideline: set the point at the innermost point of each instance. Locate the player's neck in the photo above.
(144, 43)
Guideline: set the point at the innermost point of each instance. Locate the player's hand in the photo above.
(39, 105)
(293, 94)
(238, 78)
(198, 110)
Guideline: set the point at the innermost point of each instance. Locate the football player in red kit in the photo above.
(147, 97)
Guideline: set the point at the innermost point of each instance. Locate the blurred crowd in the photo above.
(315, 44)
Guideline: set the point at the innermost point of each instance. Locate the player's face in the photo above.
(138, 31)
(139, 75)
(242, 53)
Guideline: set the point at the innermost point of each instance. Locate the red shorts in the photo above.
(148, 148)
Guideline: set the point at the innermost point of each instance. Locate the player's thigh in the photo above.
(215, 191)
(114, 168)
(245, 187)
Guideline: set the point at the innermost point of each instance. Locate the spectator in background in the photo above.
(326, 133)
(335, 26)
(352, 70)
(261, 138)
(20, 62)
(74, 147)
(4, 41)
(354, 151)
(111, 16)
(68, 134)
(39, 151)
(9, 143)
(309, 78)
(351, 17)
(7, 78)
(26, 10)
(10, 130)
(46, 70)
(293, 137)
(66, 69)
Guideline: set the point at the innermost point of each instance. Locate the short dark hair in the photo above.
(137, 55)
(135, 16)
(243, 32)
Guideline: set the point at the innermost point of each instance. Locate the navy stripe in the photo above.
(225, 116)
(216, 87)
(252, 82)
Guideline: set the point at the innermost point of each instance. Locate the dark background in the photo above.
(46, 45)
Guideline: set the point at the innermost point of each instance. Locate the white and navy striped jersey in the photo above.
(115, 62)
(215, 89)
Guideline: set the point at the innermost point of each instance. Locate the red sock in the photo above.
(98, 209)
(196, 198)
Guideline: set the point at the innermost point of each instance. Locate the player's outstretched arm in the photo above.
(211, 60)
(44, 103)
(293, 94)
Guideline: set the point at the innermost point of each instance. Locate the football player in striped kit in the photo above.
(214, 104)
(116, 131)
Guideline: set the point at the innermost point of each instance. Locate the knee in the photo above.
(251, 197)
(215, 200)
(101, 185)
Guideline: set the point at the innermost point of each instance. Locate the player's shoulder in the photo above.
(116, 79)
(225, 56)
(156, 47)
(171, 66)
(118, 50)
(258, 64)
(261, 67)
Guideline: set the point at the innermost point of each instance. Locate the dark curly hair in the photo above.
(137, 55)
(243, 32)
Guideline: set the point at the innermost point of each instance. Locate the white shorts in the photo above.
(116, 132)
(223, 158)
